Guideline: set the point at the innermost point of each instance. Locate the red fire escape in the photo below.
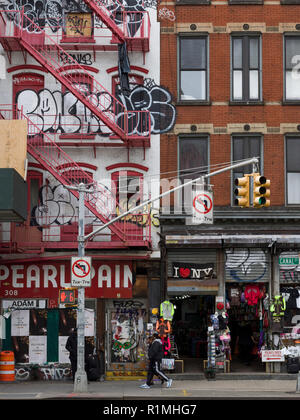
(126, 125)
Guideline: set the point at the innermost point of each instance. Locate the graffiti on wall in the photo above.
(56, 208)
(127, 329)
(155, 99)
(52, 13)
(246, 264)
(46, 373)
(62, 112)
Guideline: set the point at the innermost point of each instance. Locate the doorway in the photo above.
(189, 328)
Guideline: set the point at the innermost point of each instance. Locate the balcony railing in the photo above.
(45, 232)
(135, 26)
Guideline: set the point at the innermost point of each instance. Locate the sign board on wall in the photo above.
(43, 280)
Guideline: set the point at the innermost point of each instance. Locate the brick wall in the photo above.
(272, 119)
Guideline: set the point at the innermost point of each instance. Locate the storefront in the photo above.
(287, 336)
(247, 276)
(225, 293)
(192, 288)
(35, 325)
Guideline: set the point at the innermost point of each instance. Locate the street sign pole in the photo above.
(80, 381)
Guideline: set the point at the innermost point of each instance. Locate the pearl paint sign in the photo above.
(43, 280)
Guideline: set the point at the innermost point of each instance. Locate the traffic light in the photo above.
(261, 191)
(242, 193)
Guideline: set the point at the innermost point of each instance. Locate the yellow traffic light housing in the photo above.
(261, 191)
(242, 194)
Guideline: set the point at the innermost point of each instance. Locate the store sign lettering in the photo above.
(192, 271)
(109, 280)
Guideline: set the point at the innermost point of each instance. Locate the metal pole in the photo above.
(80, 382)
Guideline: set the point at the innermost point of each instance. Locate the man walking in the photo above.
(155, 354)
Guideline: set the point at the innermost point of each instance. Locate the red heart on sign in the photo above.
(184, 272)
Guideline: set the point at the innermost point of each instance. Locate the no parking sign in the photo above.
(202, 210)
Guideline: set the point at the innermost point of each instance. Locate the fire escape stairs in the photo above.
(97, 99)
(100, 9)
(100, 102)
(45, 151)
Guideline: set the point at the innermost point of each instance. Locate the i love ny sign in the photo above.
(193, 271)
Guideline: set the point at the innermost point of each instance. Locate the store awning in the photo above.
(289, 240)
(193, 287)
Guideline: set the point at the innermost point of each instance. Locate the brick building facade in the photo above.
(232, 70)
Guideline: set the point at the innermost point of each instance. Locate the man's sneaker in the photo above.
(169, 383)
(145, 386)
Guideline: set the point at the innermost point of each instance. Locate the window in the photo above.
(245, 147)
(128, 189)
(291, 59)
(193, 68)
(293, 170)
(76, 120)
(246, 68)
(193, 157)
(79, 25)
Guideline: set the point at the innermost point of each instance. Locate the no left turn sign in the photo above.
(81, 271)
(202, 210)
(202, 203)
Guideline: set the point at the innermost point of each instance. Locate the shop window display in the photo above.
(289, 334)
(248, 311)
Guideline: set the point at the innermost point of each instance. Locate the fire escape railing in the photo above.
(126, 124)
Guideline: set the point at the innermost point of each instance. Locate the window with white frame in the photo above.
(193, 68)
(291, 66)
(245, 68)
(293, 170)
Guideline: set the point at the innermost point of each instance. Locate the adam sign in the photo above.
(43, 280)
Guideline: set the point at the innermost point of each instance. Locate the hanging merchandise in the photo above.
(235, 296)
(291, 295)
(278, 306)
(223, 321)
(252, 294)
(266, 302)
(277, 310)
(167, 310)
(215, 321)
(163, 327)
(166, 346)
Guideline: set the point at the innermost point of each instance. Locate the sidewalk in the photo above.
(278, 387)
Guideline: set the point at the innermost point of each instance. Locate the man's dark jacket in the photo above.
(71, 345)
(155, 351)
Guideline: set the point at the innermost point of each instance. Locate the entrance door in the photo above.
(189, 328)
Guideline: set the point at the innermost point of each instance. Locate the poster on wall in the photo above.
(63, 354)
(20, 323)
(38, 349)
(89, 323)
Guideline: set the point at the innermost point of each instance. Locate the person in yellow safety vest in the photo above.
(167, 310)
